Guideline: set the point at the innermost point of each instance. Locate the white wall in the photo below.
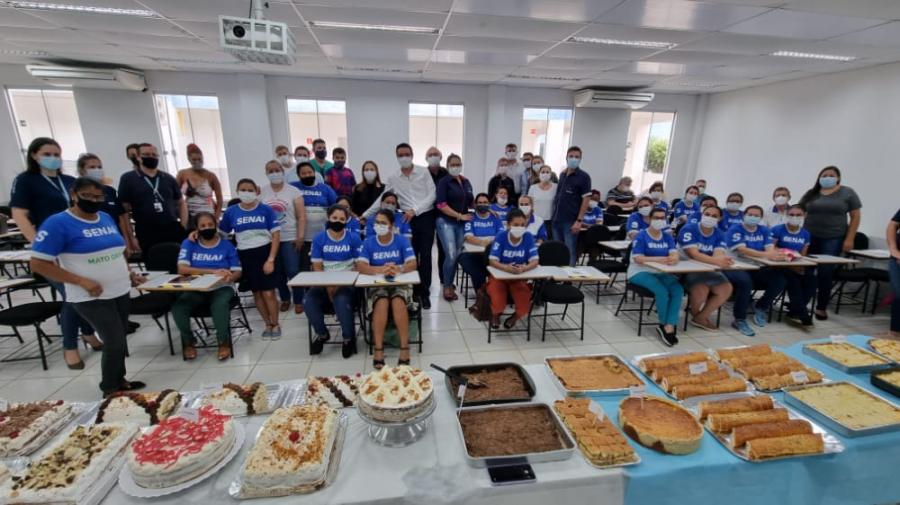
(784, 133)
(254, 120)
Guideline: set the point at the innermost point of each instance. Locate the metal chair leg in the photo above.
(581, 323)
(168, 334)
(641, 317)
(544, 328)
(40, 336)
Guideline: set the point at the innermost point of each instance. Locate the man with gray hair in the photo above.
(621, 194)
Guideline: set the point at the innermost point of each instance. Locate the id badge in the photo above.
(158, 207)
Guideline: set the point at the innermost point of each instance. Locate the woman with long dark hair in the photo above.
(832, 218)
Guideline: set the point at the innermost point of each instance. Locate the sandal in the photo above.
(298, 309)
(224, 352)
(189, 353)
(378, 364)
(401, 362)
(510, 322)
(448, 294)
(284, 306)
(495, 322)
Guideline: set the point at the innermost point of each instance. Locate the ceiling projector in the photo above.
(257, 39)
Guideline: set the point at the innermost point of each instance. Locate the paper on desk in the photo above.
(575, 272)
(438, 485)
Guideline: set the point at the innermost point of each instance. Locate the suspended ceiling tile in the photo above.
(63, 35)
(492, 44)
(381, 65)
(561, 10)
(485, 58)
(336, 36)
(532, 71)
(736, 43)
(599, 51)
(698, 57)
(21, 19)
(886, 34)
(801, 25)
(470, 77)
(881, 9)
(574, 63)
(110, 22)
(398, 5)
(475, 25)
(464, 68)
(209, 10)
(652, 68)
(679, 14)
(151, 41)
(360, 15)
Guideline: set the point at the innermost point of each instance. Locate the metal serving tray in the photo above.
(832, 444)
(452, 387)
(635, 361)
(275, 394)
(536, 457)
(583, 392)
(726, 366)
(880, 383)
(849, 369)
(871, 349)
(834, 424)
(637, 457)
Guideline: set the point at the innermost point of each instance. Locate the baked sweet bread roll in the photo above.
(742, 434)
(701, 378)
(730, 385)
(650, 364)
(780, 381)
(784, 368)
(661, 373)
(764, 448)
(741, 352)
(760, 359)
(724, 423)
(750, 404)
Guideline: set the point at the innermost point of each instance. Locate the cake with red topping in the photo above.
(336, 392)
(178, 450)
(238, 400)
(24, 423)
(395, 394)
(143, 409)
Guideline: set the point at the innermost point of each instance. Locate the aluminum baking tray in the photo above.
(536, 457)
(472, 369)
(637, 457)
(880, 383)
(275, 394)
(635, 361)
(715, 355)
(834, 424)
(871, 349)
(832, 444)
(580, 392)
(849, 369)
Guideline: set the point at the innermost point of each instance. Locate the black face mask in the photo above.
(89, 206)
(208, 233)
(481, 209)
(336, 225)
(308, 181)
(321, 153)
(149, 162)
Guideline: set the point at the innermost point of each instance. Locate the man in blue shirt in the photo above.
(571, 202)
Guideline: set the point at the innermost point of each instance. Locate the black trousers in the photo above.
(110, 319)
(422, 243)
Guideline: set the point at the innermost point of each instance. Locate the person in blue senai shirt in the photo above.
(353, 225)
(82, 248)
(386, 253)
(594, 214)
(208, 254)
(640, 219)
(401, 226)
(317, 197)
(801, 281)
(688, 206)
(536, 225)
(480, 231)
(654, 245)
(733, 214)
(753, 240)
(513, 251)
(258, 235)
(334, 250)
(502, 205)
(707, 291)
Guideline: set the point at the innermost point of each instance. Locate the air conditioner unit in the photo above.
(612, 99)
(86, 77)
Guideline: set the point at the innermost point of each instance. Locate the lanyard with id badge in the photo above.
(157, 198)
(61, 187)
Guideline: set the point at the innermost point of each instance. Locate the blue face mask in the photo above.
(828, 181)
(50, 162)
(752, 220)
(573, 162)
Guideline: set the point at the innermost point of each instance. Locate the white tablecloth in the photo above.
(372, 474)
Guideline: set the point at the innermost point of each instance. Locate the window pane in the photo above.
(440, 125)
(301, 105)
(30, 115)
(547, 132)
(647, 150)
(450, 131)
(312, 119)
(48, 113)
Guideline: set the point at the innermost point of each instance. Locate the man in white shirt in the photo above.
(416, 193)
(514, 168)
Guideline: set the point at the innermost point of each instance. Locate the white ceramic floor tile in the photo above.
(32, 389)
(217, 375)
(591, 349)
(81, 389)
(537, 355)
(445, 360)
(276, 372)
(158, 380)
(511, 356)
(285, 351)
(344, 367)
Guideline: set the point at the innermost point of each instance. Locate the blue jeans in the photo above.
(70, 321)
(474, 265)
(667, 291)
(819, 245)
(742, 283)
(289, 262)
(895, 287)
(450, 233)
(314, 305)
(562, 232)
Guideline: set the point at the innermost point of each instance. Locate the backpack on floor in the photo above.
(481, 309)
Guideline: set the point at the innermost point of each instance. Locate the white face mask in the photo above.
(285, 160)
(644, 211)
(502, 169)
(404, 161)
(381, 229)
(501, 200)
(247, 196)
(369, 175)
(536, 166)
(733, 206)
(526, 163)
(795, 221)
(702, 189)
(302, 159)
(94, 173)
(656, 195)
(510, 155)
(433, 161)
(781, 200)
(526, 209)
(690, 197)
(709, 221)
(592, 204)
(517, 231)
(389, 206)
(658, 224)
(455, 170)
(275, 177)
(544, 177)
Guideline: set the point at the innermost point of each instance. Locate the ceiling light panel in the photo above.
(644, 44)
(378, 28)
(813, 56)
(87, 9)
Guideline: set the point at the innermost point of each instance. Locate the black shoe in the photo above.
(670, 339)
(347, 350)
(317, 345)
(795, 320)
(661, 334)
(426, 303)
(806, 321)
(132, 327)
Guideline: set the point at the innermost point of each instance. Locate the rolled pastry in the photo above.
(750, 404)
(780, 381)
(761, 359)
(730, 385)
(763, 448)
(680, 369)
(751, 372)
(701, 378)
(742, 434)
(741, 352)
(650, 364)
(724, 423)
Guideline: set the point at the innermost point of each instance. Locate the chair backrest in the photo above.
(553, 254)
(674, 202)
(610, 219)
(234, 201)
(626, 255)
(594, 234)
(163, 257)
(860, 241)
(614, 209)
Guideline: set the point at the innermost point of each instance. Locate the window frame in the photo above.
(548, 108)
(287, 118)
(436, 105)
(671, 141)
(23, 146)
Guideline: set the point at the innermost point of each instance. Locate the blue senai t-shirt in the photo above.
(335, 254)
(353, 225)
(223, 255)
(94, 250)
(501, 211)
(376, 254)
(636, 223)
(692, 236)
(728, 220)
(645, 245)
(757, 240)
(479, 226)
(593, 217)
(681, 209)
(793, 241)
(514, 254)
(316, 200)
(401, 227)
(253, 228)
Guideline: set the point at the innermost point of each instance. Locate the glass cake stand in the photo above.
(398, 434)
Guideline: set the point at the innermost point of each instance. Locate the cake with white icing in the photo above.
(238, 400)
(292, 452)
(66, 472)
(395, 394)
(23, 423)
(178, 450)
(143, 409)
(336, 392)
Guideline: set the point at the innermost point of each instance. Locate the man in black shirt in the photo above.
(154, 200)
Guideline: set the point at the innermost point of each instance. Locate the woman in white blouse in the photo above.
(542, 195)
